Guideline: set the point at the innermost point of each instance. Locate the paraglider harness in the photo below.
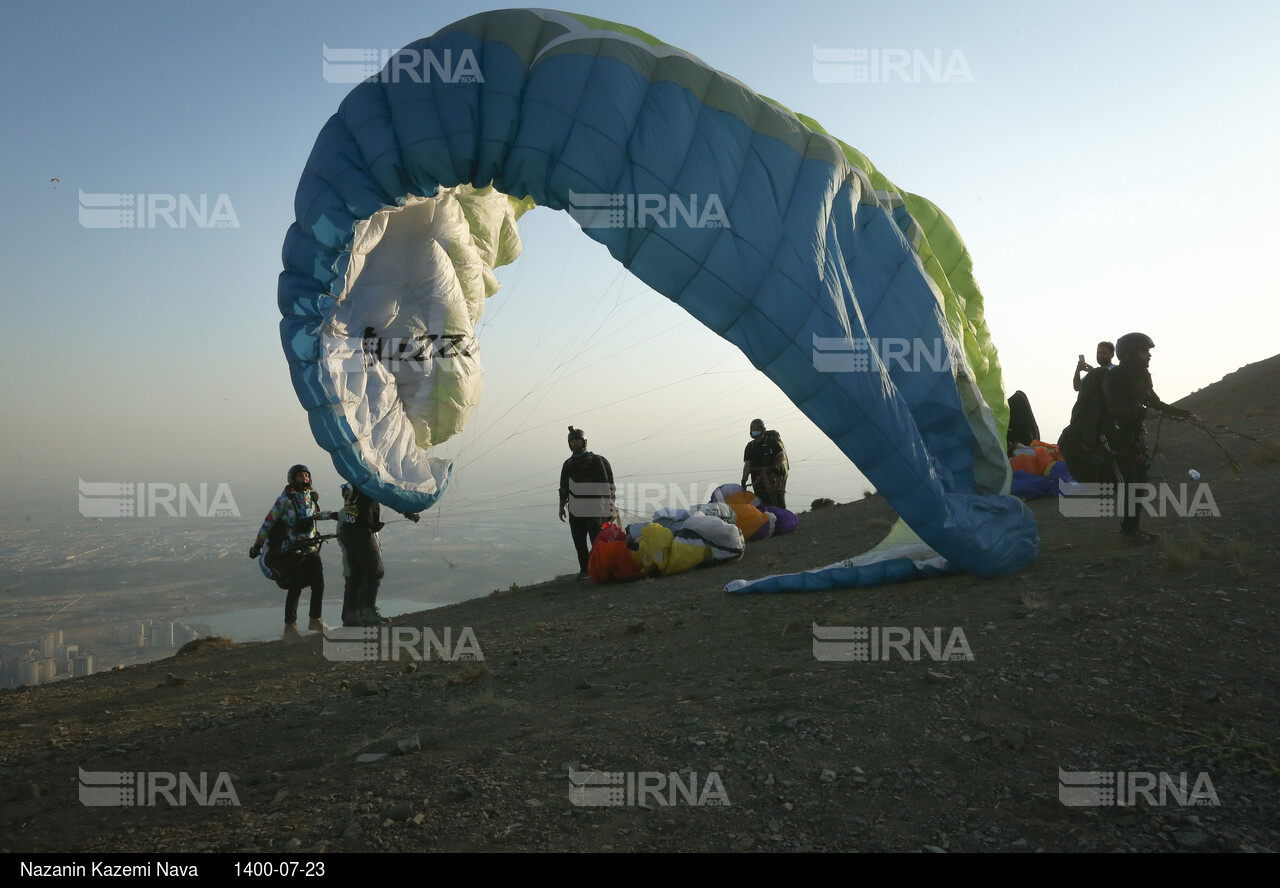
(280, 559)
(777, 474)
(1085, 449)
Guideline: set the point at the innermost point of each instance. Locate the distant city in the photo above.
(83, 595)
(52, 656)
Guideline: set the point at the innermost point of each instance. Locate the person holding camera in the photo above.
(1106, 352)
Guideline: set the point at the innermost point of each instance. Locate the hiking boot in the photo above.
(291, 633)
(318, 625)
(371, 616)
(584, 575)
(351, 619)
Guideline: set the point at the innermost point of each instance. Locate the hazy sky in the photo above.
(1112, 168)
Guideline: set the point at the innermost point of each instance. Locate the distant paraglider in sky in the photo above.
(855, 297)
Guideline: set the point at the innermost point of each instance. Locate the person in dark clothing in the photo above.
(1106, 351)
(1023, 428)
(290, 523)
(587, 489)
(1081, 442)
(765, 461)
(362, 557)
(1129, 398)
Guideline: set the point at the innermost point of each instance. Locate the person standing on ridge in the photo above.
(1128, 399)
(765, 461)
(292, 521)
(587, 488)
(362, 557)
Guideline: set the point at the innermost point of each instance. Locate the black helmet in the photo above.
(293, 471)
(576, 435)
(1128, 345)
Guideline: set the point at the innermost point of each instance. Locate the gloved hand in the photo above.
(255, 550)
(412, 516)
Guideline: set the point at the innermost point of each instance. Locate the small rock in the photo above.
(370, 757)
(827, 776)
(744, 843)
(1015, 739)
(411, 745)
(1190, 838)
(400, 811)
(934, 849)
(533, 803)
(172, 680)
(635, 627)
(365, 688)
(459, 793)
(582, 685)
(690, 721)
(353, 831)
(931, 677)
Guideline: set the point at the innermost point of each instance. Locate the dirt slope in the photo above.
(1098, 657)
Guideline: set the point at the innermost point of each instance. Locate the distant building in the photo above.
(29, 672)
(160, 635)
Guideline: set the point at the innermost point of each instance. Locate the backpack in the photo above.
(774, 438)
(1083, 442)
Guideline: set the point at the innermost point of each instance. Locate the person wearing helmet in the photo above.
(587, 489)
(290, 522)
(765, 461)
(362, 567)
(1129, 398)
